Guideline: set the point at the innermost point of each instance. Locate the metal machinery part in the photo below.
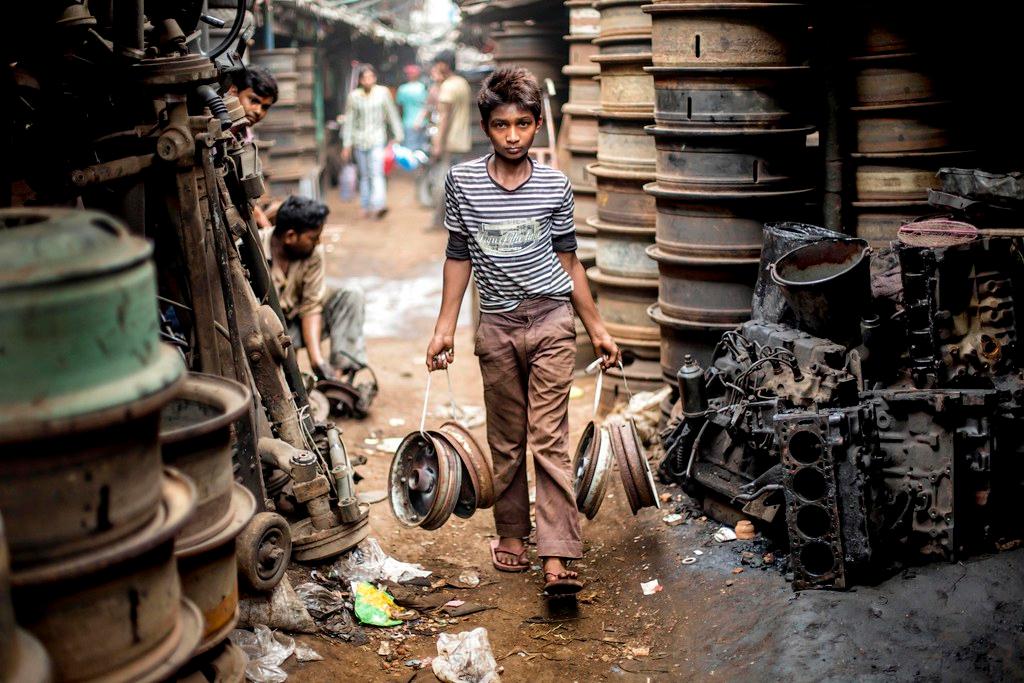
(66, 603)
(196, 439)
(634, 470)
(22, 657)
(616, 441)
(896, 442)
(591, 466)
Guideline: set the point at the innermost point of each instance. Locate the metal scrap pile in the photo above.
(872, 424)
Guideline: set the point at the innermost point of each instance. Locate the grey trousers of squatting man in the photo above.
(344, 315)
(527, 358)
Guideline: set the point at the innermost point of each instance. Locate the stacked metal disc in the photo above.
(91, 513)
(195, 437)
(625, 277)
(903, 129)
(290, 126)
(538, 47)
(731, 155)
(580, 118)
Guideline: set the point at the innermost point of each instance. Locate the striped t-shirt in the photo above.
(510, 236)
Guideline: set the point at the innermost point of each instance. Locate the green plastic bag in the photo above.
(374, 606)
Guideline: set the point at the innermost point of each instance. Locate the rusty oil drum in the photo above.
(69, 483)
(623, 20)
(728, 33)
(116, 614)
(625, 86)
(621, 249)
(623, 303)
(584, 20)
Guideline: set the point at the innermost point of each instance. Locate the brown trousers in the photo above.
(527, 357)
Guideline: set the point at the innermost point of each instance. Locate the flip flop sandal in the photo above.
(561, 585)
(504, 566)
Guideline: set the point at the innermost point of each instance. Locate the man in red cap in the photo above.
(411, 97)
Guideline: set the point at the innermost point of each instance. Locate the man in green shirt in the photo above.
(411, 97)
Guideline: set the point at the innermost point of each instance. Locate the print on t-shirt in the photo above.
(509, 238)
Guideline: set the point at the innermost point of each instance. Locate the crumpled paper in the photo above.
(368, 562)
(465, 658)
(266, 651)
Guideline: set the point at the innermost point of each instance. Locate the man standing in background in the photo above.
(411, 97)
(453, 139)
(370, 114)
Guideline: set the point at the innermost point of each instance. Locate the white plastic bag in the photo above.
(465, 658)
(266, 651)
(368, 562)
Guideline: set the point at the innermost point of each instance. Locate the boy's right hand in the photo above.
(440, 352)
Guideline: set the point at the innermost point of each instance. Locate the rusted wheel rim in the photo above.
(590, 466)
(477, 460)
(634, 470)
(583, 464)
(425, 480)
(450, 481)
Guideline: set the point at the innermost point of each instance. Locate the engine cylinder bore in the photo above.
(809, 483)
(805, 447)
(813, 521)
(817, 558)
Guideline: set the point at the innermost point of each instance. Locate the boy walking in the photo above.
(510, 224)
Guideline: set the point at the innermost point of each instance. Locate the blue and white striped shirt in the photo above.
(510, 236)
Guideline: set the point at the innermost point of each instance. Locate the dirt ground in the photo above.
(727, 615)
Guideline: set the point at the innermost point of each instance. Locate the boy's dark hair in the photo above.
(259, 79)
(300, 214)
(509, 85)
(446, 57)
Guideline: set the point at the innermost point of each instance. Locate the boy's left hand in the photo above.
(608, 350)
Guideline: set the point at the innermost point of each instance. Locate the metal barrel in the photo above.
(730, 134)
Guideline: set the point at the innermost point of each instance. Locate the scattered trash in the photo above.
(575, 392)
(374, 606)
(689, 560)
(465, 609)
(321, 602)
(371, 441)
(342, 625)
(768, 558)
(470, 579)
(745, 530)
(729, 582)
(674, 519)
(385, 649)
(644, 651)
(455, 603)
(372, 497)
(304, 653)
(644, 408)
(266, 651)
(724, 535)
(368, 562)
(665, 497)
(651, 587)
(737, 570)
(282, 609)
(465, 658)
(396, 422)
(698, 551)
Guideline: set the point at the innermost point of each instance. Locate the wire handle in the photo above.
(456, 411)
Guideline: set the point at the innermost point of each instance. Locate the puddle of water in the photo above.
(402, 308)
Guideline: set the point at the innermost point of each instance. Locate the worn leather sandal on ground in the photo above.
(561, 584)
(522, 563)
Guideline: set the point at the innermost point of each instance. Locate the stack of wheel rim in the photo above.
(580, 117)
(290, 125)
(91, 513)
(538, 47)
(195, 437)
(438, 473)
(625, 277)
(902, 128)
(580, 135)
(731, 155)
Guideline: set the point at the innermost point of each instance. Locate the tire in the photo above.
(264, 549)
